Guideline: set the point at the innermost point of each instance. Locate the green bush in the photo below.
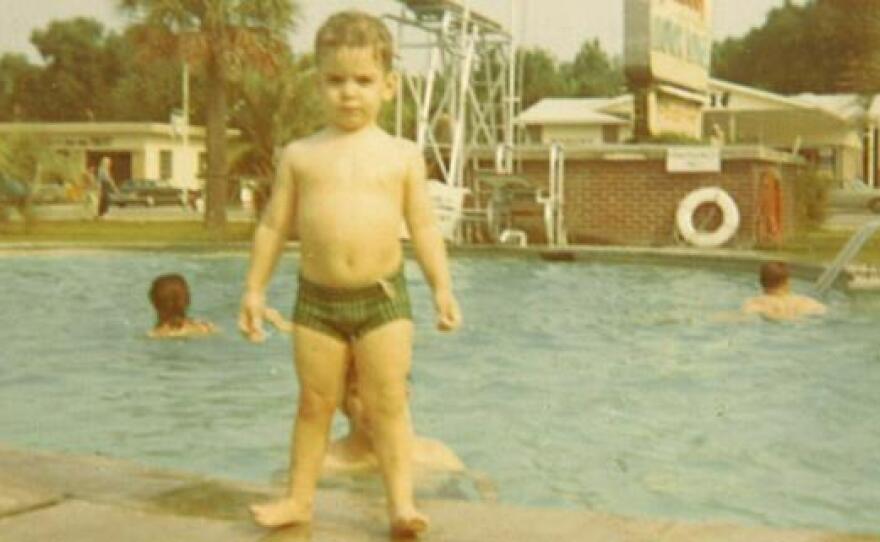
(30, 159)
(669, 138)
(811, 190)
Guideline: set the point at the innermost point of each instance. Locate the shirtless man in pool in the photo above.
(778, 302)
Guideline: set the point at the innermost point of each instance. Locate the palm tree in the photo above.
(219, 37)
(271, 111)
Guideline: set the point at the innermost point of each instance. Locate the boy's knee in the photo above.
(313, 404)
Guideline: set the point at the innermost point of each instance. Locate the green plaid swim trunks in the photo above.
(349, 313)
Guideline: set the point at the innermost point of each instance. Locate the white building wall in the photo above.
(574, 134)
(142, 141)
(138, 164)
(151, 161)
(850, 163)
(186, 164)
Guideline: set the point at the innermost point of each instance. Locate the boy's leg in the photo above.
(320, 361)
(383, 357)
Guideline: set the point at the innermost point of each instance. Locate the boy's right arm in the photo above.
(268, 242)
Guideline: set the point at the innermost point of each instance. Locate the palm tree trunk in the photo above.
(215, 204)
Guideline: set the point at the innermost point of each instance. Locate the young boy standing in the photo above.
(347, 188)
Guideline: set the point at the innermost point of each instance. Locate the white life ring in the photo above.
(684, 217)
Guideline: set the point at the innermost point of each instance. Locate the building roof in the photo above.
(570, 111)
(844, 108)
(874, 108)
(801, 102)
(105, 128)
(850, 106)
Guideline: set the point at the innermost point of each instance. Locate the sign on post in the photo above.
(693, 159)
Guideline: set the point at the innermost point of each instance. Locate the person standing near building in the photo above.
(106, 184)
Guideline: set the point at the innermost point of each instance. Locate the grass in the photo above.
(821, 246)
(111, 232)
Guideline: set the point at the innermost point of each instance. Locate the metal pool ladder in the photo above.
(845, 256)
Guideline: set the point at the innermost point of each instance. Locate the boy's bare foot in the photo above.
(281, 512)
(409, 525)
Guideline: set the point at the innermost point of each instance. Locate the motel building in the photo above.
(139, 150)
(685, 159)
(836, 133)
(751, 145)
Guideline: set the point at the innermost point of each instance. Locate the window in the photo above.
(827, 160)
(166, 166)
(610, 133)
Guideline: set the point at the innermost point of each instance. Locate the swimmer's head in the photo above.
(169, 295)
(774, 275)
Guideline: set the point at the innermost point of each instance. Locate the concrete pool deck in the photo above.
(58, 497)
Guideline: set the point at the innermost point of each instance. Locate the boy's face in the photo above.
(354, 85)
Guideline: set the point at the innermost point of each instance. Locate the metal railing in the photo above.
(845, 256)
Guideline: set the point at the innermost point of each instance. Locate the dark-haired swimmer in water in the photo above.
(169, 295)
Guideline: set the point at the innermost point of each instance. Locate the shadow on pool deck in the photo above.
(49, 496)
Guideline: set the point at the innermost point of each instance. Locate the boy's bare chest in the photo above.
(353, 175)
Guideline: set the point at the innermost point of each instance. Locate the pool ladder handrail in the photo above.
(845, 256)
(554, 200)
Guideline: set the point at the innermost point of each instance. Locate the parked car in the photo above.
(855, 194)
(148, 192)
(12, 191)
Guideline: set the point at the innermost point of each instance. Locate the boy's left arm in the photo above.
(427, 241)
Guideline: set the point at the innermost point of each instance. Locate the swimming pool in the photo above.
(576, 385)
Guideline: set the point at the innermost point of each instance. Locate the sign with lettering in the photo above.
(693, 159)
(668, 41)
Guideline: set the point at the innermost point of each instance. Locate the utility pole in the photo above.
(189, 167)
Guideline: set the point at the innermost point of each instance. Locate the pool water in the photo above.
(608, 387)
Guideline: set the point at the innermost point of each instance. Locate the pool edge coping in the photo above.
(67, 487)
(723, 259)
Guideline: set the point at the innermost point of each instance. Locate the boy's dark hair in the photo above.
(169, 295)
(774, 275)
(354, 28)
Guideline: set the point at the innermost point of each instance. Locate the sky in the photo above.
(559, 26)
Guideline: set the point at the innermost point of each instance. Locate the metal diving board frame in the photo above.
(467, 95)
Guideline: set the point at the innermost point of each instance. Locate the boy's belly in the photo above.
(348, 266)
(350, 248)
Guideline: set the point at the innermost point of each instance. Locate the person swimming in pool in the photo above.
(354, 452)
(777, 302)
(348, 188)
(170, 297)
(436, 467)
